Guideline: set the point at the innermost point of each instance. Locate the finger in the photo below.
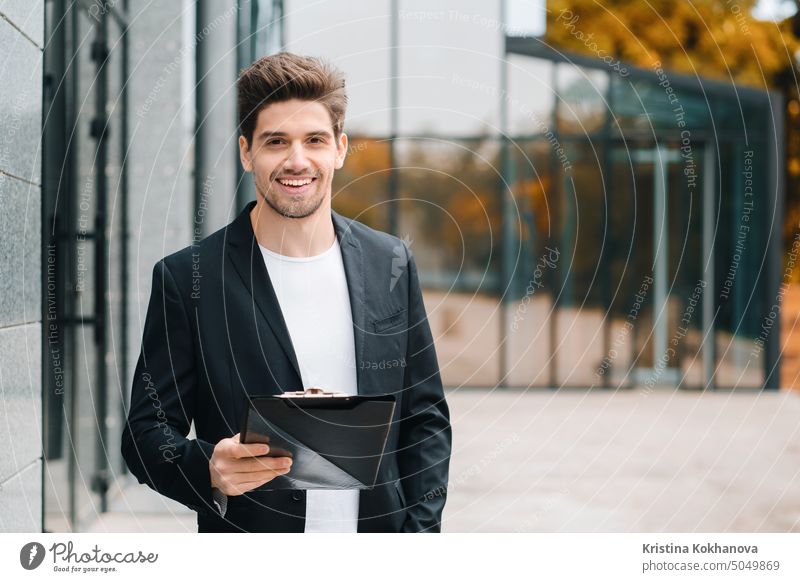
(250, 480)
(249, 485)
(262, 463)
(242, 451)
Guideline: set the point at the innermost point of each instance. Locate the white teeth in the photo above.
(295, 182)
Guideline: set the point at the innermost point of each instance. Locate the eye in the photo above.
(274, 141)
(317, 140)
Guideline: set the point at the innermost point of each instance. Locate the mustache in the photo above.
(289, 175)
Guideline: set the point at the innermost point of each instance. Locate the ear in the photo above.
(244, 154)
(341, 150)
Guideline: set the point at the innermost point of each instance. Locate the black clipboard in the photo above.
(336, 441)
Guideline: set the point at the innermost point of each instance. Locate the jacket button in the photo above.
(297, 495)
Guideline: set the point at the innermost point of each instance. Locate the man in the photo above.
(288, 296)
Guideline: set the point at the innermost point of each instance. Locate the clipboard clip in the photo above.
(313, 392)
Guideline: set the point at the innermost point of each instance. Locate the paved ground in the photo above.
(582, 461)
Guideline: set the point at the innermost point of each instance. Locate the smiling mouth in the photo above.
(294, 183)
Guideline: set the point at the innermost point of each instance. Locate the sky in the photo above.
(774, 9)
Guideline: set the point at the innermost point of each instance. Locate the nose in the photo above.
(297, 159)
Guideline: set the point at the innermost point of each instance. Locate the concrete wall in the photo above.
(21, 42)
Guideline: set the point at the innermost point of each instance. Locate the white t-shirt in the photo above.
(312, 292)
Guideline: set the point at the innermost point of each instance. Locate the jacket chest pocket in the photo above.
(390, 324)
(386, 351)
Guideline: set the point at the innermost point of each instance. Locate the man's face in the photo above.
(293, 155)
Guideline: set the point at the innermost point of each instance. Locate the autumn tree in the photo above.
(718, 39)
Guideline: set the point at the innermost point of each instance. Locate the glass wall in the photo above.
(356, 36)
(448, 57)
(101, 275)
(580, 280)
(530, 313)
(361, 187)
(85, 226)
(574, 225)
(450, 216)
(424, 159)
(746, 219)
(662, 227)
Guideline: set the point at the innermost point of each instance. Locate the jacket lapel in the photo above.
(248, 262)
(353, 259)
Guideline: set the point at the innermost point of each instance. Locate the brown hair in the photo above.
(285, 76)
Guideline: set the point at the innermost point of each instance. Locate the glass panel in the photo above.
(56, 395)
(450, 67)
(360, 187)
(744, 321)
(630, 253)
(531, 95)
(686, 282)
(656, 259)
(84, 433)
(450, 215)
(265, 28)
(75, 452)
(581, 99)
(645, 105)
(738, 116)
(354, 36)
(529, 321)
(117, 375)
(580, 314)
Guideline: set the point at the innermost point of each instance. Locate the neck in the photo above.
(293, 237)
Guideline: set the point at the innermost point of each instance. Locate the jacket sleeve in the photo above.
(425, 433)
(154, 440)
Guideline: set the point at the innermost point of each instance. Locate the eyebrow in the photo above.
(266, 134)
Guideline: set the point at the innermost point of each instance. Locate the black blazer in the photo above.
(214, 334)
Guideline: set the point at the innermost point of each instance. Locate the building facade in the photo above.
(577, 223)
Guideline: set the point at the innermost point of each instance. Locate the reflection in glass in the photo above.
(450, 216)
(581, 99)
(355, 37)
(531, 95)
(644, 105)
(360, 188)
(529, 311)
(581, 234)
(743, 323)
(449, 68)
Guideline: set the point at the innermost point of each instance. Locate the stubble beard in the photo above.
(295, 208)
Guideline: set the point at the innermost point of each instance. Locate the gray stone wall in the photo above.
(21, 43)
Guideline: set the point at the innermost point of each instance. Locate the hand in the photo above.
(237, 468)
